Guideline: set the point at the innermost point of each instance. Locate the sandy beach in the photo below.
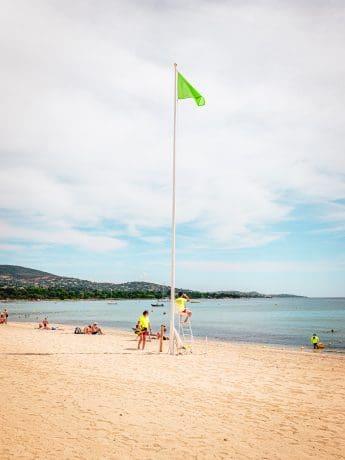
(67, 396)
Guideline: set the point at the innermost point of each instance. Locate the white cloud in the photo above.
(86, 117)
(264, 266)
(59, 235)
(10, 247)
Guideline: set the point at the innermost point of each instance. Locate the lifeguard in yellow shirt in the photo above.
(144, 327)
(314, 339)
(181, 301)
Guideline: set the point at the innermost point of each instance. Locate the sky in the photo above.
(86, 119)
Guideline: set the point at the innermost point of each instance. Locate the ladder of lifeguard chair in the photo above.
(186, 334)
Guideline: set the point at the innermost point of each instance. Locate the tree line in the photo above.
(51, 293)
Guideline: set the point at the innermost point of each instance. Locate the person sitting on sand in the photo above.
(87, 329)
(44, 324)
(153, 335)
(181, 301)
(314, 339)
(144, 328)
(164, 336)
(95, 329)
(137, 331)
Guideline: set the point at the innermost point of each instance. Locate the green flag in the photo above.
(185, 90)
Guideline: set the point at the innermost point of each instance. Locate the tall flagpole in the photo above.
(173, 228)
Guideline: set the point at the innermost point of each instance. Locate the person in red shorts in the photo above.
(144, 327)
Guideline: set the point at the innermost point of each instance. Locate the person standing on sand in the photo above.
(2, 318)
(144, 328)
(314, 339)
(181, 301)
(6, 315)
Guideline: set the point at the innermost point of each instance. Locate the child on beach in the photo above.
(181, 301)
(144, 327)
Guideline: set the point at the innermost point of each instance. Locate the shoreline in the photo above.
(167, 300)
(112, 330)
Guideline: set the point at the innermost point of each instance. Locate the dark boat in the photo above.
(157, 304)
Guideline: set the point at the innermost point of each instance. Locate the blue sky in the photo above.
(86, 138)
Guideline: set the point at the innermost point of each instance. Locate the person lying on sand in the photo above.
(87, 329)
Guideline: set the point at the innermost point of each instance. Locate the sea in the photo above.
(273, 321)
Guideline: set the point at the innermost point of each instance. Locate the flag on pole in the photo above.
(185, 91)
(182, 90)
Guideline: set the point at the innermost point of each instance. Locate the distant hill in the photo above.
(28, 283)
(23, 273)
(16, 276)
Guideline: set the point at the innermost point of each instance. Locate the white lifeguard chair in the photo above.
(184, 339)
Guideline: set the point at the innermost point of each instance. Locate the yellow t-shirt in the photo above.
(144, 322)
(181, 302)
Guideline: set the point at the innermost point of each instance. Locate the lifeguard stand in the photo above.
(185, 339)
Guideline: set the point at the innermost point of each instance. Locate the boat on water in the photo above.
(195, 301)
(157, 304)
(112, 302)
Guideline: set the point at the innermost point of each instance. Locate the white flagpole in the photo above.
(173, 228)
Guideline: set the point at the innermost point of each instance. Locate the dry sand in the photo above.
(66, 396)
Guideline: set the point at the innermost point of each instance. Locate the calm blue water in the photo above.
(288, 321)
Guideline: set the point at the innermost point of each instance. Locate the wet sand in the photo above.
(66, 396)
